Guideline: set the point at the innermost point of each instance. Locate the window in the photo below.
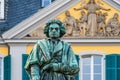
(92, 67)
(46, 2)
(113, 67)
(2, 9)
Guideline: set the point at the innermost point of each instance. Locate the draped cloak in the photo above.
(44, 53)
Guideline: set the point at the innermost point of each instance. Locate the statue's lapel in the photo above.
(44, 47)
(58, 47)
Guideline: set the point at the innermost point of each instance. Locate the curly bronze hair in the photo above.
(61, 26)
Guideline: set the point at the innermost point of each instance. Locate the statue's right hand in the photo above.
(35, 77)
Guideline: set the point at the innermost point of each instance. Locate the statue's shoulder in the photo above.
(65, 43)
(42, 41)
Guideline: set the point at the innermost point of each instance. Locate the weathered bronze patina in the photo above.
(52, 58)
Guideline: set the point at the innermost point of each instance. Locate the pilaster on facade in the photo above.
(16, 51)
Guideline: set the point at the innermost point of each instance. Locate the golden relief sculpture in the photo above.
(39, 33)
(92, 7)
(71, 25)
(91, 24)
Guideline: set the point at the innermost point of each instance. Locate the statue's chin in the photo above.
(54, 37)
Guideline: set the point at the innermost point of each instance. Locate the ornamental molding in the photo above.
(93, 52)
(111, 42)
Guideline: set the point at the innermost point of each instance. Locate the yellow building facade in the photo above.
(15, 43)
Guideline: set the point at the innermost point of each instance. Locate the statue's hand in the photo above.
(36, 77)
(51, 66)
(46, 67)
(35, 72)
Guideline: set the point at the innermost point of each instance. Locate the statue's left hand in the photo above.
(51, 66)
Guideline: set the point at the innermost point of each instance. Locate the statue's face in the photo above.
(92, 1)
(67, 13)
(82, 12)
(116, 15)
(54, 31)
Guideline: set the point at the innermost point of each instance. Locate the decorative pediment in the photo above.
(83, 20)
(90, 20)
(38, 19)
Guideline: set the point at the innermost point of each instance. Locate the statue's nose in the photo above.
(54, 30)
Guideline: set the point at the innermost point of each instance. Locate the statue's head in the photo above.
(54, 29)
(92, 1)
(105, 14)
(99, 13)
(82, 12)
(67, 13)
(116, 15)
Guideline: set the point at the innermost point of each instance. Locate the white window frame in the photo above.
(2, 8)
(93, 53)
(43, 5)
(2, 73)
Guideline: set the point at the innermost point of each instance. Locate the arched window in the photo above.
(92, 65)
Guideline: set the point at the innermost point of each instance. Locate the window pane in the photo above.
(87, 60)
(0, 62)
(46, 2)
(86, 77)
(97, 77)
(97, 69)
(86, 69)
(97, 59)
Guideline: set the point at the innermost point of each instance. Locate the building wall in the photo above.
(78, 48)
(4, 50)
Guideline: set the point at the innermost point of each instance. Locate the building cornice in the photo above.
(71, 41)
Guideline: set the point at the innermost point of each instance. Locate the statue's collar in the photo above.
(58, 47)
(53, 39)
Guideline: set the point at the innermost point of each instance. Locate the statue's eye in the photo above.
(52, 28)
(56, 29)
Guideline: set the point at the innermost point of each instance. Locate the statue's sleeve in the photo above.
(72, 61)
(70, 66)
(33, 59)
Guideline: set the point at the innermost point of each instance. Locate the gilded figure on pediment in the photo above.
(70, 24)
(83, 24)
(114, 24)
(92, 7)
(101, 21)
(76, 30)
